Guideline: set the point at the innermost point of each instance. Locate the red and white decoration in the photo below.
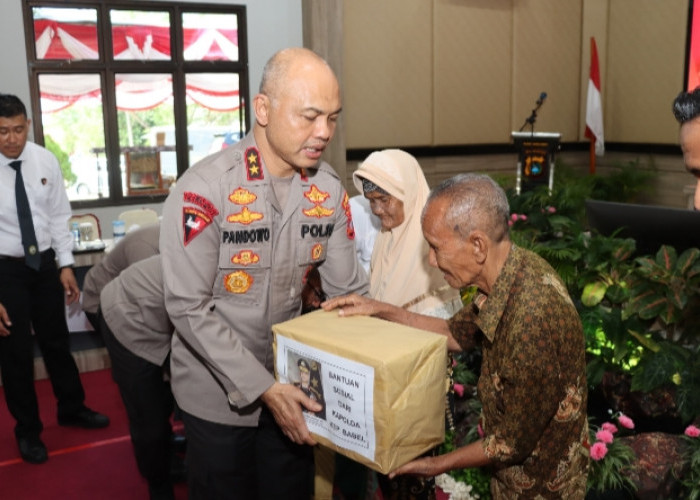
(77, 41)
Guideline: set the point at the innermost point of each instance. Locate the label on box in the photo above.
(344, 387)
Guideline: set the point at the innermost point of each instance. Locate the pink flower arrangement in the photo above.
(604, 436)
(516, 217)
(598, 451)
(607, 426)
(625, 421)
(459, 389)
(692, 431)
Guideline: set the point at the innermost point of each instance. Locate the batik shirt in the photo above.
(533, 380)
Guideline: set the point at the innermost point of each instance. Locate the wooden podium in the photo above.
(536, 151)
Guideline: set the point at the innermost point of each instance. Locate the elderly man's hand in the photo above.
(5, 322)
(423, 467)
(353, 305)
(285, 401)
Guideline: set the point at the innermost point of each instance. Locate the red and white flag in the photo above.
(594, 106)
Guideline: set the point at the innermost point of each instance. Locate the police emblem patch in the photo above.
(245, 257)
(242, 196)
(245, 217)
(238, 282)
(317, 197)
(194, 221)
(252, 165)
(316, 251)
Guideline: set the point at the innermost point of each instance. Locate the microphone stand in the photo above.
(533, 116)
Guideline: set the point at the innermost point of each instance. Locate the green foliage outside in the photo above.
(68, 176)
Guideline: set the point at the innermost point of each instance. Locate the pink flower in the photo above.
(604, 436)
(598, 451)
(523, 217)
(607, 426)
(459, 389)
(692, 431)
(625, 421)
(514, 217)
(551, 209)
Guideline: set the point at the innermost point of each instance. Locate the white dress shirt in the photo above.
(367, 225)
(48, 201)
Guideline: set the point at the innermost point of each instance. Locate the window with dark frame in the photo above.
(128, 94)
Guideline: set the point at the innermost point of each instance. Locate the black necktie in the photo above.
(26, 225)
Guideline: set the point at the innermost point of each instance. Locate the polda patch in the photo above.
(194, 221)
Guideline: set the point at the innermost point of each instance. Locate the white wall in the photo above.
(272, 25)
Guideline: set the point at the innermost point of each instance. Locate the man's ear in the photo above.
(480, 246)
(261, 106)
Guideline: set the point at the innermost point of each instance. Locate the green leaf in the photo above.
(593, 293)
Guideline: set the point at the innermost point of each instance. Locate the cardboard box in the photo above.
(382, 385)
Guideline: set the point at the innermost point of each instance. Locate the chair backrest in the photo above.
(87, 218)
(138, 217)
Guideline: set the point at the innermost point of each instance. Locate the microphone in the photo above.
(543, 96)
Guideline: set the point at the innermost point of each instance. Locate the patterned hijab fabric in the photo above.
(400, 273)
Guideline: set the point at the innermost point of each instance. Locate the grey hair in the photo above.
(686, 106)
(368, 186)
(476, 201)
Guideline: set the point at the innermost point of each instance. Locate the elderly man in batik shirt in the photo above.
(533, 376)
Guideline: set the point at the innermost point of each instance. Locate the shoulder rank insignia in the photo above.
(317, 197)
(252, 164)
(238, 282)
(245, 217)
(245, 257)
(242, 196)
(194, 221)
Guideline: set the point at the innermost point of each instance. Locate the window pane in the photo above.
(144, 104)
(65, 33)
(210, 37)
(71, 107)
(213, 113)
(140, 35)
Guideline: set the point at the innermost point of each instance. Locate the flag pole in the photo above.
(591, 154)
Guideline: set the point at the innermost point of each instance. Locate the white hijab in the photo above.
(399, 272)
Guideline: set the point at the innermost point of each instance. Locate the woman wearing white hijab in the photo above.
(400, 274)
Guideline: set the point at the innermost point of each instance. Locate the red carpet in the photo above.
(83, 463)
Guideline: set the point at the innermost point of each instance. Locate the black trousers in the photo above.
(149, 405)
(35, 299)
(247, 463)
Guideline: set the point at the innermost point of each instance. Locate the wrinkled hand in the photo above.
(5, 322)
(423, 467)
(70, 285)
(285, 401)
(353, 305)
